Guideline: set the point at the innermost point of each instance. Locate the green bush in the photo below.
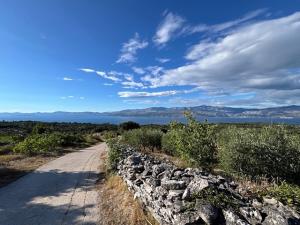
(39, 144)
(143, 138)
(47, 143)
(286, 193)
(168, 145)
(109, 134)
(194, 142)
(269, 151)
(114, 153)
(130, 125)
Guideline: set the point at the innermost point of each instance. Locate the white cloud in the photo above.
(230, 24)
(262, 57)
(87, 70)
(168, 28)
(67, 79)
(132, 84)
(139, 94)
(163, 60)
(131, 94)
(72, 97)
(130, 48)
(142, 101)
(138, 70)
(108, 76)
(174, 25)
(108, 84)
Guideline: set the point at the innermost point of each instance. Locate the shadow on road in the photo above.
(52, 197)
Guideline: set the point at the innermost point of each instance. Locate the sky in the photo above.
(108, 55)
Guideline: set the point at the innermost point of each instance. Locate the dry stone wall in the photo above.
(192, 196)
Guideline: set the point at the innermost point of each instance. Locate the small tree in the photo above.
(130, 125)
(39, 128)
(195, 142)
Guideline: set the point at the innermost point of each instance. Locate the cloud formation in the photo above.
(174, 25)
(67, 79)
(163, 60)
(130, 48)
(168, 27)
(258, 57)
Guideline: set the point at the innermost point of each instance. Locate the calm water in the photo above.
(146, 120)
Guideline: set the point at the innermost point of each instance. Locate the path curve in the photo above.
(62, 192)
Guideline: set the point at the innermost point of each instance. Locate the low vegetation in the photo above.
(26, 145)
(255, 151)
(143, 138)
(117, 205)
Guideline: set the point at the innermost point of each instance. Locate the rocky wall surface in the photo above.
(191, 196)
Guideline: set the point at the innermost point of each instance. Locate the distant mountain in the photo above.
(292, 111)
(286, 112)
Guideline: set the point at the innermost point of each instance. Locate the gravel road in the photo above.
(62, 192)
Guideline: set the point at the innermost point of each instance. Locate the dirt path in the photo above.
(61, 192)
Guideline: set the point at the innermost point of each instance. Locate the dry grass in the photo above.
(117, 204)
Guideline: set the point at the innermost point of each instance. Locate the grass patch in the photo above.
(288, 194)
(117, 205)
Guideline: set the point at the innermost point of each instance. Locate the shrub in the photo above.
(168, 143)
(194, 142)
(47, 143)
(39, 128)
(143, 138)
(109, 134)
(114, 153)
(130, 125)
(269, 151)
(39, 144)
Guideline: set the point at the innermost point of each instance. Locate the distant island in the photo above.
(285, 114)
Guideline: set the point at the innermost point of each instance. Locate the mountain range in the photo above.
(286, 112)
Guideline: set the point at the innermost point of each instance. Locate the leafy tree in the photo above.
(130, 125)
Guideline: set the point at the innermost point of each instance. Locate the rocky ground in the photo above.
(191, 196)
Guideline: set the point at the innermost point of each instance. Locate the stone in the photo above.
(251, 214)
(279, 214)
(186, 194)
(270, 201)
(173, 184)
(138, 168)
(177, 174)
(157, 169)
(208, 213)
(175, 194)
(168, 192)
(232, 219)
(256, 204)
(133, 160)
(188, 218)
(197, 185)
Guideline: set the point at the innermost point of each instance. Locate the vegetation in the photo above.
(270, 151)
(254, 151)
(286, 193)
(32, 138)
(130, 125)
(144, 138)
(194, 142)
(114, 153)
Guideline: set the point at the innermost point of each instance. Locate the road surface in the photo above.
(62, 192)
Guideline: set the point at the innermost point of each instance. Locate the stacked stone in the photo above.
(168, 192)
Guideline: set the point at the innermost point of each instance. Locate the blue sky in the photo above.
(60, 55)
